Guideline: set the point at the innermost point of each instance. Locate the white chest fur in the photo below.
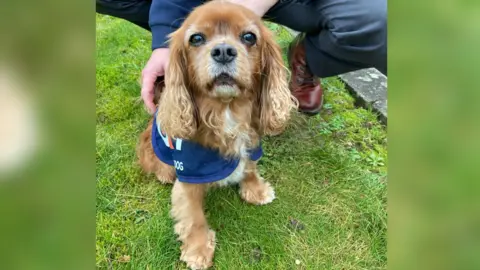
(235, 177)
(231, 128)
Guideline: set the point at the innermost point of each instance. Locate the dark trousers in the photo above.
(341, 35)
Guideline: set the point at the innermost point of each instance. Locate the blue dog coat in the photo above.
(194, 163)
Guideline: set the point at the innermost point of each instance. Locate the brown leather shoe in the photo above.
(304, 85)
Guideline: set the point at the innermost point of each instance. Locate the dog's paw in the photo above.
(258, 194)
(200, 257)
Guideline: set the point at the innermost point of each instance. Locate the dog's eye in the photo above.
(197, 40)
(249, 38)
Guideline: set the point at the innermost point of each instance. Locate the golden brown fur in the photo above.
(149, 161)
(228, 117)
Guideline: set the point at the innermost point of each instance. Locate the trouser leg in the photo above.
(341, 35)
(134, 11)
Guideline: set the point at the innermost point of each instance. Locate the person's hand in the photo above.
(258, 7)
(155, 67)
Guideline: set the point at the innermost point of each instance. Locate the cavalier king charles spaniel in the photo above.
(225, 88)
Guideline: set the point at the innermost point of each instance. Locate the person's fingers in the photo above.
(148, 83)
(155, 67)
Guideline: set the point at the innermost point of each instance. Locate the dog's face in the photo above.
(223, 46)
(223, 52)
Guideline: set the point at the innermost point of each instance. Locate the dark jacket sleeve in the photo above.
(166, 16)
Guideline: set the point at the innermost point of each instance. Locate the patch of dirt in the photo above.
(256, 255)
(295, 225)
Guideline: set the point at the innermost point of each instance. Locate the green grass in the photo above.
(329, 174)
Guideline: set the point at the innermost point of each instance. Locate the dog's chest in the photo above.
(235, 177)
(195, 163)
(241, 139)
(233, 130)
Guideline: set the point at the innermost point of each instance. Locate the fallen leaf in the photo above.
(124, 259)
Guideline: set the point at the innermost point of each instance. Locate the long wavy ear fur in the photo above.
(176, 108)
(276, 101)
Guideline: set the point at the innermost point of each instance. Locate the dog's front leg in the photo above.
(198, 241)
(253, 188)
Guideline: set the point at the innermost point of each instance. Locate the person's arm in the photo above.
(166, 16)
(259, 7)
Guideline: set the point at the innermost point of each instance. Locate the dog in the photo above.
(225, 88)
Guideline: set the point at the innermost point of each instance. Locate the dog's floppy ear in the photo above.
(276, 101)
(176, 112)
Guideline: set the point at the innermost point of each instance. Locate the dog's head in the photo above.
(224, 52)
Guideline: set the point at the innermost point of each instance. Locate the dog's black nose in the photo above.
(223, 53)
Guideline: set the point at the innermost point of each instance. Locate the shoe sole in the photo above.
(313, 112)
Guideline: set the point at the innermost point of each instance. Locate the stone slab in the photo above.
(369, 86)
